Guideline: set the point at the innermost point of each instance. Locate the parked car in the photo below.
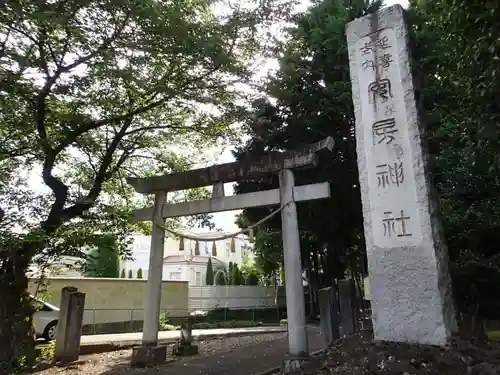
(45, 319)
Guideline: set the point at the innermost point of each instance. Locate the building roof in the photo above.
(197, 259)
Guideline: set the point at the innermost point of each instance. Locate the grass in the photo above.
(494, 335)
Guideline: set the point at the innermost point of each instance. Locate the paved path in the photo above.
(245, 361)
(90, 344)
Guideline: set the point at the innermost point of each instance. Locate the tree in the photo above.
(250, 273)
(236, 278)
(88, 105)
(104, 260)
(456, 51)
(130, 275)
(209, 277)
(311, 99)
(139, 273)
(122, 274)
(229, 274)
(252, 279)
(267, 248)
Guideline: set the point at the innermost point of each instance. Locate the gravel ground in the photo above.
(361, 355)
(117, 362)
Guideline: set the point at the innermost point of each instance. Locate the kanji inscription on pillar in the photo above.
(411, 297)
(391, 187)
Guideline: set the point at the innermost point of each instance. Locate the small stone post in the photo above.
(185, 346)
(347, 303)
(74, 326)
(149, 352)
(62, 322)
(411, 295)
(328, 314)
(69, 330)
(295, 301)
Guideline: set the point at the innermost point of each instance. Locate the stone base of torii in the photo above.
(285, 197)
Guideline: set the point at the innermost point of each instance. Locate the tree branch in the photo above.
(43, 58)
(91, 125)
(103, 174)
(59, 189)
(156, 127)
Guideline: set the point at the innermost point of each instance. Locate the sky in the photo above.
(225, 220)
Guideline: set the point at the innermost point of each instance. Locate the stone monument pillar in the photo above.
(407, 258)
(328, 314)
(69, 330)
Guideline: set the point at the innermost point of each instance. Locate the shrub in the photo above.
(209, 277)
(268, 315)
(163, 320)
(227, 324)
(48, 352)
(204, 325)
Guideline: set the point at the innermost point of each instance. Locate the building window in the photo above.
(174, 276)
(198, 278)
(228, 249)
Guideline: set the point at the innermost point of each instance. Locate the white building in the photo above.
(186, 265)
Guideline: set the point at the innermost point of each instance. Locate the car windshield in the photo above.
(51, 306)
(39, 304)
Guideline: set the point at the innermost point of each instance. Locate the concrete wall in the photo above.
(117, 300)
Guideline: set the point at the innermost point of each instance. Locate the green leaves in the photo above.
(96, 90)
(209, 275)
(104, 259)
(460, 85)
(312, 100)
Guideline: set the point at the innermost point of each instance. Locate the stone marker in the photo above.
(70, 321)
(328, 314)
(347, 303)
(407, 258)
(185, 346)
(59, 351)
(74, 326)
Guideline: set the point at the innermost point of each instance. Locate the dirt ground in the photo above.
(118, 362)
(360, 355)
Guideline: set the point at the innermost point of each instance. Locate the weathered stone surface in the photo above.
(148, 355)
(407, 257)
(229, 172)
(69, 329)
(301, 365)
(347, 304)
(328, 313)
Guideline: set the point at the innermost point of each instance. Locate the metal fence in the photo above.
(107, 321)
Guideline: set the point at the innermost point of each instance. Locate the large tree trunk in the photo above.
(16, 331)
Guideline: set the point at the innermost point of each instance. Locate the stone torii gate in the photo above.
(287, 195)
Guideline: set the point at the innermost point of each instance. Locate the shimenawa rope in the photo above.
(224, 237)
